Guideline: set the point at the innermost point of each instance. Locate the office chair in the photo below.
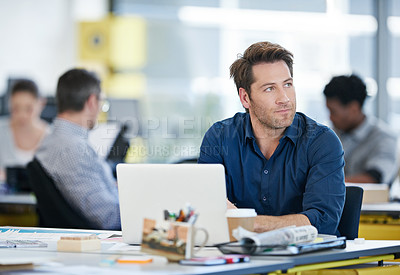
(187, 160)
(118, 150)
(53, 209)
(348, 225)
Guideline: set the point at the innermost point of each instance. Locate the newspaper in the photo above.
(254, 243)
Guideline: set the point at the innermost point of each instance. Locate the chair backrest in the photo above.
(54, 210)
(348, 225)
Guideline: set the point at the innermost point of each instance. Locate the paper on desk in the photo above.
(279, 237)
(240, 233)
(16, 234)
(124, 247)
(83, 269)
(23, 260)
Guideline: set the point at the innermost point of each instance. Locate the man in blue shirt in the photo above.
(283, 164)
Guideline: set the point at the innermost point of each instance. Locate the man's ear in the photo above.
(92, 103)
(244, 98)
(354, 107)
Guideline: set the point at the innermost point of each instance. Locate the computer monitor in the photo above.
(125, 112)
(17, 179)
(49, 111)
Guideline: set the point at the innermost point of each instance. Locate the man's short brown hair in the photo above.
(74, 88)
(242, 69)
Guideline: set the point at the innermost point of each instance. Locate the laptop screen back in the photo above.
(146, 190)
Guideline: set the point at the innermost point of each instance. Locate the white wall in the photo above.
(38, 39)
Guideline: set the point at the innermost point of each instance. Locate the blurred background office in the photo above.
(165, 64)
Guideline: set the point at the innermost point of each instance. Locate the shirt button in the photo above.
(264, 198)
(266, 172)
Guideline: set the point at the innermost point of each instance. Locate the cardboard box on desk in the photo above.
(79, 243)
(373, 192)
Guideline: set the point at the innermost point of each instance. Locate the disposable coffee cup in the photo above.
(243, 217)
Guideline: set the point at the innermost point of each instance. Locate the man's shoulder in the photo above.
(230, 124)
(381, 128)
(4, 128)
(311, 128)
(58, 140)
(237, 119)
(4, 122)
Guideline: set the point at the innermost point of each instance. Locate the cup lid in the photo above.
(241, 212)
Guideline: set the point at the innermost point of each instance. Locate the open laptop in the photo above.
(146, 190)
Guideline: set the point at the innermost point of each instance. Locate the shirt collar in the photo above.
(69, 128)
(248, 129)
(362, 131)
(292, 132)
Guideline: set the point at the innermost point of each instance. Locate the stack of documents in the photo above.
(285, 241)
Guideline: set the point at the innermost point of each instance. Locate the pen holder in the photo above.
(173, 240)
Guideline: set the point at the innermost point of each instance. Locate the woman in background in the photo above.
(22, 133)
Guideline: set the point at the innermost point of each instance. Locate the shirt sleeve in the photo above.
(211, 149)
(324, 195)
(383, 158)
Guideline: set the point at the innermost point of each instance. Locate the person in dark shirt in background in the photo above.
(369, 145)
(283, 164)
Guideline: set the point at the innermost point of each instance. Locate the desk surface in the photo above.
(389, 208)
(84, 263)
(90, 262)
(352, 251)
(24, 199)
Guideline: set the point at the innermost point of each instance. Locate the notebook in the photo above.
(251, 249)
(146, 190)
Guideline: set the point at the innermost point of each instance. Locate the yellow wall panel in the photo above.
(128, 42)
(118, 42)
(126, 85)
(94, 41)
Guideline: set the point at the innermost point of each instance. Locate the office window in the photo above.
(393, 85)
(191, 45)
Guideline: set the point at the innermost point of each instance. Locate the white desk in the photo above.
(90, 262)
(63, 261)
(389, 208)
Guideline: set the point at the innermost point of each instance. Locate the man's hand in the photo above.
(230, 205)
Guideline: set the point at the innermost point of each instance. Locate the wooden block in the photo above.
(79, 243)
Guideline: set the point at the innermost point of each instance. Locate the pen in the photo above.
(192, 219)
(166, 215)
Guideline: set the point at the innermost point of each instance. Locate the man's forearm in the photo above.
(267, 223)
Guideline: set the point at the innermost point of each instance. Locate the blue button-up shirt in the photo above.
(303, 176)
